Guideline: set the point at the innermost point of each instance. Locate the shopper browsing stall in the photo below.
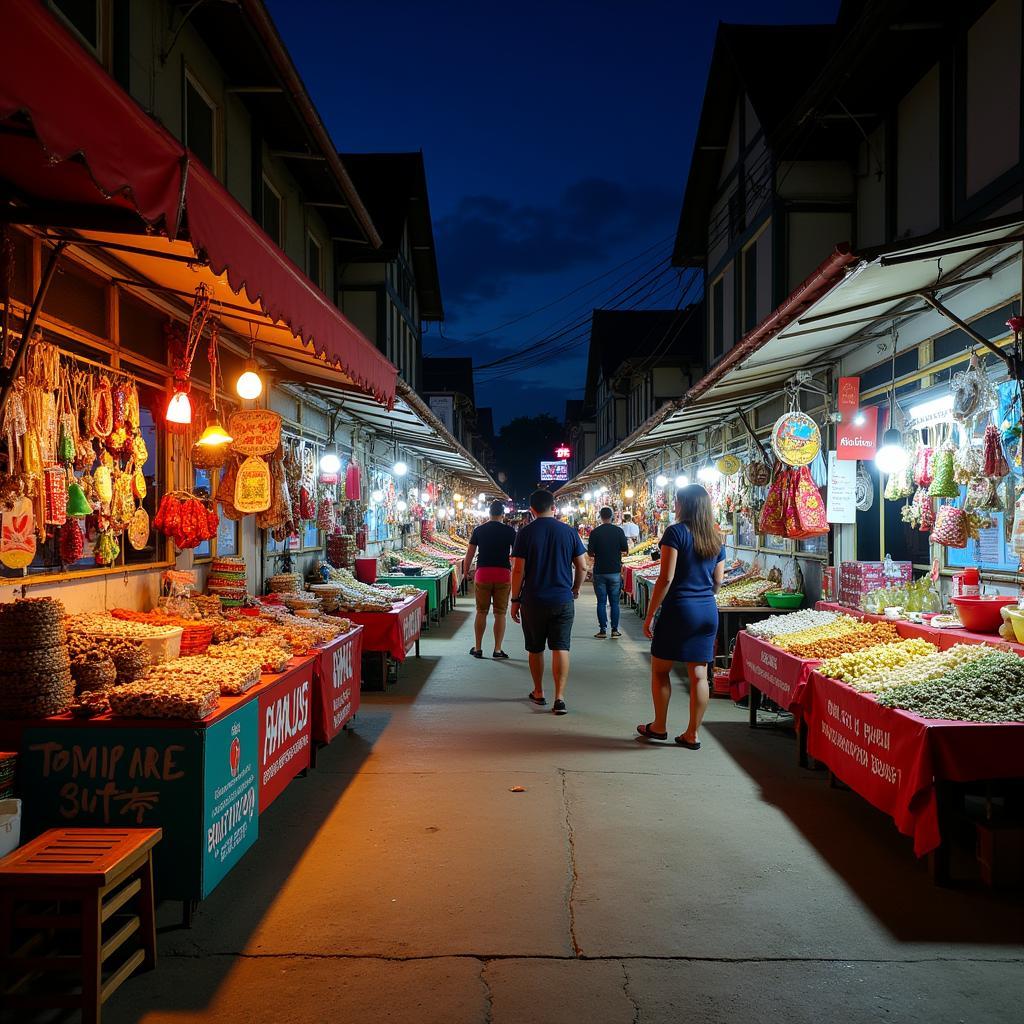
(605, 546)
(691, 571)
(629, 528)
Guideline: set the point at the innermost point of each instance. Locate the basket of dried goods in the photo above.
(35, 669)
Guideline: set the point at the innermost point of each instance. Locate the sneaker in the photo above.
(559, 708)
(601, 636)
(476, 652)
(616, 634)
(499, 656)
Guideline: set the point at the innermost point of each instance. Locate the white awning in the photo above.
(970, 273)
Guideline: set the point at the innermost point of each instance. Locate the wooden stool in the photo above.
(99, 869)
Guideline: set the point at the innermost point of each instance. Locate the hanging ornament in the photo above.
(993, 460)
(17, 535)
(943, 485)
(865, 491)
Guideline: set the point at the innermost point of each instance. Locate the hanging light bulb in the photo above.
(892, 457)
(707, 473)
(179, 409)
(456, 497)
(481, 496)
(377, 496)
(682, 480)
(330, 463)
(661, 479)
(628, 492)
(401, 506)
(588, 496)
(399, 469)
(214, 436)
(250, 384)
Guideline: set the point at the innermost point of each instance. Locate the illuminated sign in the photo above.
(563, 451)
(555, 471)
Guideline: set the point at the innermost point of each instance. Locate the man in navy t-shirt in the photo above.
(549, 565)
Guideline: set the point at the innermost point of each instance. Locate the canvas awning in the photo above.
(79, 154)
(837, 312)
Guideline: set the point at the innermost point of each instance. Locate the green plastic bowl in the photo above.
(780, 599)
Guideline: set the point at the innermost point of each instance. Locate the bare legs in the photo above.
(559, 669)
(499, 632)
(479, 624)
(698, 698)
(537, 671)
(661, 694)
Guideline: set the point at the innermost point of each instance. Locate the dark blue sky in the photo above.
(556, 136)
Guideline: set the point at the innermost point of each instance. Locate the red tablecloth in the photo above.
(395, 631)
(629, 577)
(337, 674)
(893, 759)
(780, 676)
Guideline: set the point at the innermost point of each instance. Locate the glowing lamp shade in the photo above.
(661, 479)
(708, 474)
(179, 408)
(588, 496)
(892, 457)
(214, 436)
(250, 384)
(399, 469)
(682, 480)
(330, 463)
(376, 497)
(401, 506)
(629, 492)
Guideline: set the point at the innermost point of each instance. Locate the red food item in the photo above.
(72, 543)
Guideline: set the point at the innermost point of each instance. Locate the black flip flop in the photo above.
(687, 744)
(647, 733)
(499, 656)
(539, 701)
(476, 652)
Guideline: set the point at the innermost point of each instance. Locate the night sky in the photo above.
(557, 137)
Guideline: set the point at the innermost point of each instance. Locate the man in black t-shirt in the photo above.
(606, 546)
(491, 542)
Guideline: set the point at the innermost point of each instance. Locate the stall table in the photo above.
(735, 617)
(394, 632)
(337, 676)
(437, 587)
(205, 783)
(898, 761)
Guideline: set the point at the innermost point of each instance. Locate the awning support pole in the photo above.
(746, 426)
(9, 376)
(1013, 363)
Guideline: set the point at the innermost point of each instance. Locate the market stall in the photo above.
(392, 634)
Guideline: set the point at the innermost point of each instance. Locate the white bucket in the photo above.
(10, 826)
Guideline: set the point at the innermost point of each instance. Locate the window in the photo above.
(271, 211)
(200, 123)
(226, 541)
(750, 288)
(84, 17)
(314, 261)
(718, 319)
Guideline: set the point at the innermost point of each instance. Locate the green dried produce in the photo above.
(990, 689)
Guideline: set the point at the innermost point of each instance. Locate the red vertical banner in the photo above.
(285, 731)
(336, 680)
(849, 396)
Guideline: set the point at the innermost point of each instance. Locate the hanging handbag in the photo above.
(773, 516)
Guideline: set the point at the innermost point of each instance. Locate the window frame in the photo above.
(268, 183)
(101, 50)
(190, 79)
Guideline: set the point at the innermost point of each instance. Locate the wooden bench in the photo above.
(99, 870)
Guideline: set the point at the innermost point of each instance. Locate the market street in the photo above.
(403, 881)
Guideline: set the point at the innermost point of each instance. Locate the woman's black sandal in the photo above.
(649, 734)
(687, 744)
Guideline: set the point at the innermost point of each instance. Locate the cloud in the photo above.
(487, 242)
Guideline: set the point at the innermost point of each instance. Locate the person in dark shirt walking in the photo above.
(549, 564)
(491, 542)
(606, 546)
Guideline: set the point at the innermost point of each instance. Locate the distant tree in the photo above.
(520, 447)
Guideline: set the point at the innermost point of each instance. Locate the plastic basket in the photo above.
(779, 599)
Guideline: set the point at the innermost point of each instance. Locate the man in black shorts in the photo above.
(549, 565)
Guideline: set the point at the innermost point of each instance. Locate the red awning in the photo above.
(91, 145)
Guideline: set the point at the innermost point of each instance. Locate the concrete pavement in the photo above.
(403, 881)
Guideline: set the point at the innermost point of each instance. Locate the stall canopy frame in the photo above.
(839, 310)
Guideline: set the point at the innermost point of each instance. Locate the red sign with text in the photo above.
(857, 436)
(285, 732)
(779, 676)
(849, 395)
(336, 681)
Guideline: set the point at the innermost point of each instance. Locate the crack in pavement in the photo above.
(489, 992)
(628, 994)
(571, 836)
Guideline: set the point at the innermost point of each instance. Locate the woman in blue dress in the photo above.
(692, 567)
